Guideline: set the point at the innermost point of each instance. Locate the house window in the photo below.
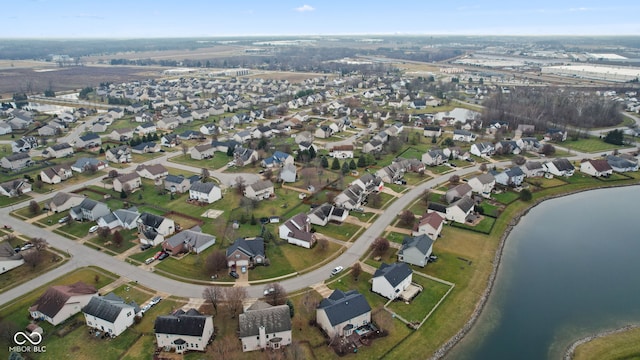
(237, 256)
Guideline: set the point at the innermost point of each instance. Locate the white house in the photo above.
(416, 250)
(342, 152)
(9, 259)
(60, 302)
(297, 231)
(342, 313)
(322, 214)
(482, 184)
(184, 331)
(154, 228)
(205, 192)
(596, 168)
(110, 314)
(430, 224)
(560, 167)
(482, 149)
(391, 280)
(263, 326)
(260, 190)
(463, 135)
(460, 210)
(127, 182)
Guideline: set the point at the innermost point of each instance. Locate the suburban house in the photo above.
(372, 146)
(321, 215)
(297, 231)
(246, 252)
(434, 157)
(342, 152)
(243, 156)
(242, 136)
(460, 210)
(429, 224)
(458, 192)
(390, 280)
(16, 161)
(121, 134)
(482, 149)
(323, 132)
(278, 158)
(260, 190)
(56, 174)
(120, 154)
(431, 131)
(83, 164)
(63, 201)
(263, 326)
(110, 314)
(555, 135)
(58, 151)
(124, 218)
(342, 313)
(207, 192)
(24, 144)
(529, 144)
(127, 182)
(60, 302)
(169, 140)
(191, 240)
(509, 177)
(152, 172)
(464, 136)
(89, 210)
(203, 151)
(154, 228)
(88, 141)
(482, 184)
(183, 331)
(620, 164)
(146, 147)
(416, 250)
(533, 169)
(506, 147)
(560, 167)
(177, 184)
(288, 173)
(9, 258)
(146, 128)
(597, 168)
(13, 188)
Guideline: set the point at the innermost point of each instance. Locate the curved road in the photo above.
(83, 255)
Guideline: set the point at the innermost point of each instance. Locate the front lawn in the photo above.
(342, 231)
(589, 145)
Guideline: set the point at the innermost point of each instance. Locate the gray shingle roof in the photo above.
(201, 187)
(394, 273)
(107, 307)
(341, 306)
(421, 242)
(191, 323)
(273, 318)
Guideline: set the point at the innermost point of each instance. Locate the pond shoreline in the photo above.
(454, 340)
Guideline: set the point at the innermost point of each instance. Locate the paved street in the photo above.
(83, 256)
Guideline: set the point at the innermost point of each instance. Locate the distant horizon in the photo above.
(142, 19)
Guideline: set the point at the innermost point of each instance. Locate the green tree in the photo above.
(123, 194)
(525, 195)
(335, 165)
(312, 153)
(345, 168)
(434, 139)
(615, 137)
(324, 162)
(362, 162)
(352, 165)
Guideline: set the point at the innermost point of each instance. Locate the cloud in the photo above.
(305, 8)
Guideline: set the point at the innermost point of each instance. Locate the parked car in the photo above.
(163, 256)
(336, 270)
(8, 227)
(150, 260)
(234, 274)
(268, 291)
(94, 228)
(432, 258)
(155, 300)
(158, 254)
(26, 246)
(400, 182)
(144, 247)
(63, 220)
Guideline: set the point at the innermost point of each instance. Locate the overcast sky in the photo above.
(193, 18)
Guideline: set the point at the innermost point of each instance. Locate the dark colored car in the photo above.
(163, 256)
(144, 247)
(234, 274)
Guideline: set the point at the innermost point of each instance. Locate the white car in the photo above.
(336, 270)
(94, 228)
(150, 260)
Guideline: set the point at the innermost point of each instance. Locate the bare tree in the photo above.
(117, 238)
(185, 148)
(113, 174)
(375, 199)
(240, 185)
(454, 179)
(235, 296)
(39, 243)
(356, 270)
(425, 197)
(214, 295)
(215, 262)
(34, 208)
(382, 319)
(483, 167)
(519, 160)
(104, 232)
(322, 244)
(407, 218)
(33, 257)
(379, 246)
(275, 294)
(225, 347)
(309, 303)
(204, 175)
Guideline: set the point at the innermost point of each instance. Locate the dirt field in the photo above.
(24, 78)
(197, 54)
